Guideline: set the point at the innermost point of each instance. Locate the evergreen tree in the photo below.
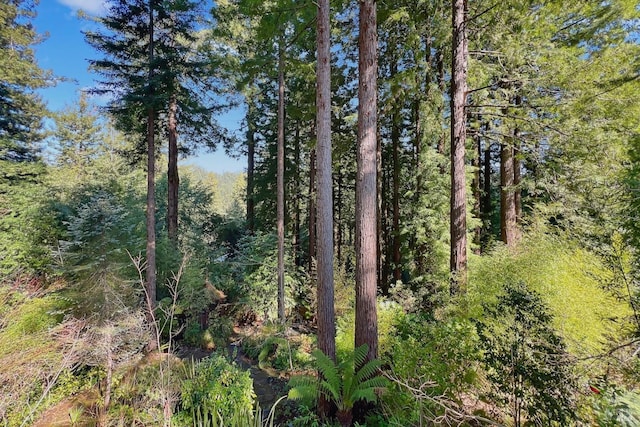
(326, 315)
(21, 114)
(366, 184)
(131, 67)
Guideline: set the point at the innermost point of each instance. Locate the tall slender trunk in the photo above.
(312, 211)
(296, 196)
(151, 176)
(173, 180)
(508, 225)
(395, 199)
(366, 322)
(326, 313)
(487, 209)
(476, 185)
(458, 212)
(339, 225)
(517, 168)
(251, 147)
(442, 86)
(382, 248)
(280, 182)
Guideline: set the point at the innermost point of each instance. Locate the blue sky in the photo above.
(65, 53)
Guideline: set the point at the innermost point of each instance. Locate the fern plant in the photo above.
(341, 383)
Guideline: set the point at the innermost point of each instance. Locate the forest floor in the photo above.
(268, 385)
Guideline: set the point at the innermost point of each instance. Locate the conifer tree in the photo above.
(21, 115)
(130, 68)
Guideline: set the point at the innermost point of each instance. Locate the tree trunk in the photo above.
(476, 186)
(458, 255)
(296, 196)
(382, 248)
(325, 315)
(173, 179)
(396, 255)
(339, 225)
(487, 209)
(151, 184)
(516, 169)
(442, 86)
(508, 225)
(280, 183)
(312, 211)
(366, 322)
(251, 147)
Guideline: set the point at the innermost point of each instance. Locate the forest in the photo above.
(437, 224)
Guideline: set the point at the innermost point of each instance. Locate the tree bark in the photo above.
(366, 322)
(312, 211)
(458, 254)
(296, 196)
(442, 86)
(516, 169)
(395, 199)
(476, 186)
(487, 209)
(251, 147)
(508, 225)
(173, 180)
(151, 175)
(280, 183)
(325, 292)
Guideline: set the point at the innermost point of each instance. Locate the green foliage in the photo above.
(390, 314)
(33, 353)
(571, 282)
(617, 407)
(280, 349)
(216, 388)
(432, 360)
(258, 262)
(526, 360)
(344, 383)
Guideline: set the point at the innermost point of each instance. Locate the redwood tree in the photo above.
(324, 197)
(366, 327)
(458, 209)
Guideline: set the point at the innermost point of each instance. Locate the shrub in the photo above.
(526, 360)
(433, 362)
(215, 387)
(570, 280)
(390, 314)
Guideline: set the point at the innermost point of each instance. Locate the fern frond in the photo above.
(328, 370)
(368, 370)
(303, 392)
(360, 354)
(367, 394)
(377, 382)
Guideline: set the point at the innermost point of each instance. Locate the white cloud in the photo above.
(92, 7)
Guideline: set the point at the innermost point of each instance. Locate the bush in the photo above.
(257, 256)
(433, 363)
(215, 387)
(571, 282)
(390, 314)
(526, 360)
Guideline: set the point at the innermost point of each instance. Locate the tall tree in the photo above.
(151, 165)
(366, 323)
(21, 115)
(458, 208)
(280, 181)
(130, 68)
(326, 314)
